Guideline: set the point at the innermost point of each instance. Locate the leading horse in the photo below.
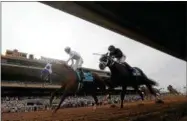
(69, 80)
(123, 77)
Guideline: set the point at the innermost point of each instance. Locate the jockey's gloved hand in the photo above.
(112, 57)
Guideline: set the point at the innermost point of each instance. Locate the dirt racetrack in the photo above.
(136, 111)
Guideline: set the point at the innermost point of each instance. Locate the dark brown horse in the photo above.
(122, 76)
(69, 81)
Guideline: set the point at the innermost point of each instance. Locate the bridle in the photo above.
(108, 59)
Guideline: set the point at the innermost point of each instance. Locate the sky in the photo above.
(38, 29)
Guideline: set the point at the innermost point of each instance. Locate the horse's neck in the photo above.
(113, 69)
(116, 69)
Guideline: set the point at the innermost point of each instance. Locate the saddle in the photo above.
(84, 76)
(133, 71)
(128, 67)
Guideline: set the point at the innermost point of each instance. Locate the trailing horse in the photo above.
(147, 93)
(172, 90)
(123, 76)
(70, 81)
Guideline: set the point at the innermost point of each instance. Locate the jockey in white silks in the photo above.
(78, 64)
(74, 56)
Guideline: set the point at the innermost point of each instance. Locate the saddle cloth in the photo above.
(136, 72)
(87, 76)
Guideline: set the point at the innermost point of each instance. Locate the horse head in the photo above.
(105, 61)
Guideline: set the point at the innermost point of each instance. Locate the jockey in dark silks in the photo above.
(118, 54)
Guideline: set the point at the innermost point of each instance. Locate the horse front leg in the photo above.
(107, 96)
(123, 92)
(61, 101)
(52, 96)
(152, 91)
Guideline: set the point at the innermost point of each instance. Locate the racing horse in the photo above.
(147, 93)
(123, 77)
(70, 80)
(172, 90)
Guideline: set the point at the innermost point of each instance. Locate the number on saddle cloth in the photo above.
(87, 76)
(136, 72)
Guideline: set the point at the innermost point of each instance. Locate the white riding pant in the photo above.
(122, 59)
(78, 64)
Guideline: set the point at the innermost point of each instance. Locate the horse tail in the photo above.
(152, 82)
(148, 80)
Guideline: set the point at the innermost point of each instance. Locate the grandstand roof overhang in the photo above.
(160, 25)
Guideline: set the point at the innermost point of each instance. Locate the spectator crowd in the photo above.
(27, 104)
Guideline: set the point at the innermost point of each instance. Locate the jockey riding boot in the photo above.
(81, 75)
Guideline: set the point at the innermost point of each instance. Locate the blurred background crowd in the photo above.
(26, 104)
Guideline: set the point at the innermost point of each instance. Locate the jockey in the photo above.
(75, 56)
(48, 67)
(117, 53)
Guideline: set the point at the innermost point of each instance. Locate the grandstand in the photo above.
(22, 90)
(21, 74)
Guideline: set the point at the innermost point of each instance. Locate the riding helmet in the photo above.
(111, 48)
(67, 49)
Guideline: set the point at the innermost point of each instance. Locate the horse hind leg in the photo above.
(158, 99)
